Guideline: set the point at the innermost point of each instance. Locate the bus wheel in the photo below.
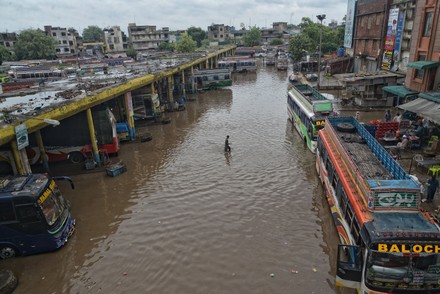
(7, 251)
(76, 157)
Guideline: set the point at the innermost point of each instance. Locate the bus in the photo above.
(238, 64)
(307, 109)
(208, 79)
(388, 244)
(34, 216)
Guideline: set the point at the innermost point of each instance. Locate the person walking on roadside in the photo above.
(432, 188)
(387, 115)
(358, 116)
(227, 147)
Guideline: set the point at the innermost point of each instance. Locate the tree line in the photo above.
(35, 44)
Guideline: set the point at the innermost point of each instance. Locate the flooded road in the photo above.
(187, 218)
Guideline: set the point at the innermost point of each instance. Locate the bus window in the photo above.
(52, 209)
(6, 211)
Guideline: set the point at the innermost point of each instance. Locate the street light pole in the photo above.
(320, 17)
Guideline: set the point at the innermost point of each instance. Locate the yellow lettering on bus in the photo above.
(437, 249)
(417, 248)
(46, 193)
(428, 249)
(394, 248)
(404, 250)
(382, 247)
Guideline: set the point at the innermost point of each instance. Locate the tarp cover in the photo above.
(400, 91)
(423, 64)
(424, 108)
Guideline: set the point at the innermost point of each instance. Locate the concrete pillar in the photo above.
(129, 115)
(43, 154)
(193, 82)
(17, 157)
(207, 63)
(183, 83)
(170, 88)
(95, 149)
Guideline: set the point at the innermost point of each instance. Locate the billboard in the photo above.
(390, 39)
(349, 24)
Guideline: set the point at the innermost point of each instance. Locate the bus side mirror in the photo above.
(64, 178)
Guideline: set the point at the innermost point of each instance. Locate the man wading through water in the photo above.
(227, 147)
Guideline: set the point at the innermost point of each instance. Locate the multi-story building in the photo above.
(115, 39)
(8, 40)
(424, 61)
(146, 37)
(66, 40)
(278, 31)
(369, 36)
(218, 32)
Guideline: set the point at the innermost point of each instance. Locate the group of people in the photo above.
(397, 117)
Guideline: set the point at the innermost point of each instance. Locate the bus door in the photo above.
(349, 266)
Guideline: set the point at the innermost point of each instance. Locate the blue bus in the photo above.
(34, 216)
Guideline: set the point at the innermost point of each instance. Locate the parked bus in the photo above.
(34, 216)
(71, 139)
(207, 79)
(282, 61)
(307, 109)
(238, 64)
(388, 244)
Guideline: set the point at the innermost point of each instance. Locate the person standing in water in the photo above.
(227, 147)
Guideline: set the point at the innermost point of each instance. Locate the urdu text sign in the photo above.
(21, 134)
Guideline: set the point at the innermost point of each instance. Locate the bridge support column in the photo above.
(17, 157)
(170, 91)
(129, 115)
(193, 82)
(95, 149)
(43, 154)
(183, 83)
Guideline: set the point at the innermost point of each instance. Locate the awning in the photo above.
(400, 91)
(425, 64)
(423, 108)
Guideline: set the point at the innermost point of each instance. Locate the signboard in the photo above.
(21, 134)
(397, 43)
(390, 38)
(349, 24)
(395, 199)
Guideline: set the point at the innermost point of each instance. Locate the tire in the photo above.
(7, 251)
(76, 157)
(346, 127)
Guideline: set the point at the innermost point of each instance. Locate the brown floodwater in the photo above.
(188, 218)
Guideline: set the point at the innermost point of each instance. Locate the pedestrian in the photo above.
(398, 117)
(387, 115)
(227, 147)
(358, 115)
(432, 188)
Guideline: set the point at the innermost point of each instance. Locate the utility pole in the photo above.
(320, 17)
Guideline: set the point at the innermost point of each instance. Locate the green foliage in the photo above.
(299, 45)
(93, 34)
(252, 37)
(131, 52)
(197, 34)
(34, 44)
(185, 44)
(166, 46)
(307, 42)
(276, 42)
(5, 55)
(205, 43)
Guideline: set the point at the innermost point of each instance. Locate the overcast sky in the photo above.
(17, 15)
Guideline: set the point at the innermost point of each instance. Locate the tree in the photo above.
(299, 45)
(165, 46)
(186, 44)
(131, 52)
(34, 44)
(93, 34)
(276, 42)
(5, 55)
(197, 34)
(252, 37)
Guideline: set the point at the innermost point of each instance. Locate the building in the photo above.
(371, 19)
(278, 31)
(424, 60)
(146, 37)
(115, 39)
(66, 39)
(8, 40)
(218, 32)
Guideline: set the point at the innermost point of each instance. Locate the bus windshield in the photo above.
(398, 270)
(52, 205)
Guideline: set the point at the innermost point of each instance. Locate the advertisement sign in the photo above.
(21, 134)
(397, 43)
(390, 38)
(349, 24)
